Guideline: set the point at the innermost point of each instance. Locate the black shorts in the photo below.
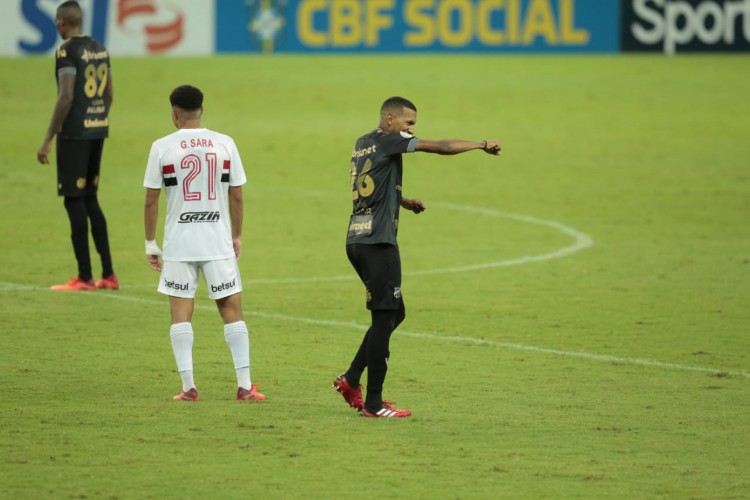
(78, 165)
(379, 268)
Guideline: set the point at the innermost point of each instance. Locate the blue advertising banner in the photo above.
(298, 26)
(205, 27)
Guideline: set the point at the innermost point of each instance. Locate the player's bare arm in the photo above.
(415, 205)
(456, 146)
(236, 215)
(66, 83)
(150, 219)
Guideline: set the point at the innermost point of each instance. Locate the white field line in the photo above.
(351, 325)
(580, 242)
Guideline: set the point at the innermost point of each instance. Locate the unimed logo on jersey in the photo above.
(190, 217)
(672, 26)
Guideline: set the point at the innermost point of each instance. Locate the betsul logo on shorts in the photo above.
(175, 286)
(224, 286)
(685, 25)
(190, 217)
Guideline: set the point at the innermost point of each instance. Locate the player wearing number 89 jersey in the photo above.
(80, 121)
(88, 60)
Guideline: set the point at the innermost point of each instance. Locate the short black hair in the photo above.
(71, 13)
(396, 103)
(186, 97)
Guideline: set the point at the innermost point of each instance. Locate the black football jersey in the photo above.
(89, 61)
(376, 173)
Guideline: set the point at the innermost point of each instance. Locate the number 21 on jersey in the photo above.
(194, 165)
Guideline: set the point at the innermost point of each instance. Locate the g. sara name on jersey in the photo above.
(197, 142)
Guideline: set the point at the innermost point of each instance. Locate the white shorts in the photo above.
(180, 279)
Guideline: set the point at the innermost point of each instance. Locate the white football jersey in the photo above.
(196, 168)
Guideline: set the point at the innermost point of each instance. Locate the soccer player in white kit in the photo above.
(202, 175)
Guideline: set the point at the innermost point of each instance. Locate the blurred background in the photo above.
(206, 27)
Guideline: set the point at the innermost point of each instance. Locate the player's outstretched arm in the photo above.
(414, 204)
(457, 146)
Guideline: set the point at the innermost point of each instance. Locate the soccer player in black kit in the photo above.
(81, 122)
(376, 172)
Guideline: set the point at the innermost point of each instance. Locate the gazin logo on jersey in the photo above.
(190, 217)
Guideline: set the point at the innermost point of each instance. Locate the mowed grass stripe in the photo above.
(433, 336)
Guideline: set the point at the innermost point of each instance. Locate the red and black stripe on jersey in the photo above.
(170, 177)
(225, 171)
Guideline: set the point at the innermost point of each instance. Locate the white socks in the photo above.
(239, 343)
(181, 335)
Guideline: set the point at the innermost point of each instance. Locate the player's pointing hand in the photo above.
(492, 147)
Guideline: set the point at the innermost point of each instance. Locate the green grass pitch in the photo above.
(577, 309)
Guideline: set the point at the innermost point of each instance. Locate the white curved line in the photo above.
(581, 241)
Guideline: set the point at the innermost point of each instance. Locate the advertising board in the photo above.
(672, 26)
(205, 27)
(126, 27)
(301, 26)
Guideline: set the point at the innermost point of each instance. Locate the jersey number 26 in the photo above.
(362, 184)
